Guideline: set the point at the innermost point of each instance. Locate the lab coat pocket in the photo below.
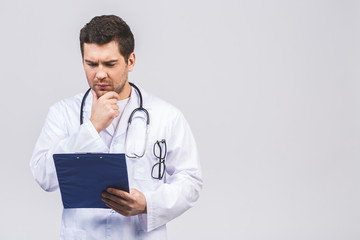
(72, 234)
(146, 170)
(143, 176)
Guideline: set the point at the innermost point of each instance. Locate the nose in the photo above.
(101, 74)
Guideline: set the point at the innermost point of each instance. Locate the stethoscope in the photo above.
(139, 109)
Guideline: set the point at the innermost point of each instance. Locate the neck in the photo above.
(125, 92)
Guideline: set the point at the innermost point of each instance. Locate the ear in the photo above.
(131, 61)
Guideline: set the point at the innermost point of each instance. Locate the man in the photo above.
(155, 198)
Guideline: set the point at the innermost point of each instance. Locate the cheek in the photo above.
(120, 75)
(90, 74)
(113, 75)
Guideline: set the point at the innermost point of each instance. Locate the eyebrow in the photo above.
(111, 61)
(106, 62)
(88, 61)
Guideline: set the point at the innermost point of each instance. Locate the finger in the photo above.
(114, 198)
(116, 113)
(120, 193)
(133, 191)
(112, 195)
(95, 98)
(111, 105)
(117, 209)
(110, 95)
(115, 107)
(117, 205)
(112, 101)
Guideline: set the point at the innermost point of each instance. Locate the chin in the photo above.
(101, 93)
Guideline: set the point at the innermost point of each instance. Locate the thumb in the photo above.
(95, 98)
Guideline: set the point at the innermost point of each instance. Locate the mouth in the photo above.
(102, 86)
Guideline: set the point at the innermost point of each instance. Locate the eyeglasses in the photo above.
(160, 150)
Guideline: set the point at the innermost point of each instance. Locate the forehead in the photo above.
(93, 51)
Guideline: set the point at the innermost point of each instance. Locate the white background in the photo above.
(270, 89)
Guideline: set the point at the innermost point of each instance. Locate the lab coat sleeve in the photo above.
(183, 183)
(55, 138)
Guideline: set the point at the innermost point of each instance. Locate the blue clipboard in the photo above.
(83, 177)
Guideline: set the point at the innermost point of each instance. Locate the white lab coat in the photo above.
(166, 199)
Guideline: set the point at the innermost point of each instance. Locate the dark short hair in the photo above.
(107, 28)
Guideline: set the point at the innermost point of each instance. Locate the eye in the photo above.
(92, 64)
(109, 64)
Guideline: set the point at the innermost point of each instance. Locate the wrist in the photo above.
(97, 128)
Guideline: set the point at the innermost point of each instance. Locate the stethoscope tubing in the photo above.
(140, 108)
